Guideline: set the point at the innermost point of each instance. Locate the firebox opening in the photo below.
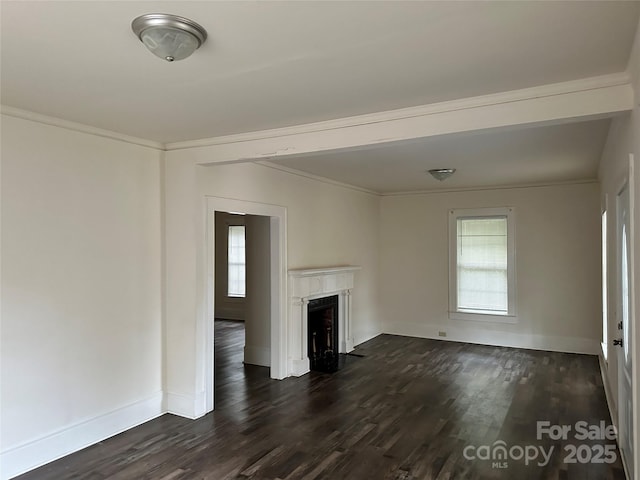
(323, 334)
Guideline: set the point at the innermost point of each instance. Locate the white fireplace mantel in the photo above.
(309, 284)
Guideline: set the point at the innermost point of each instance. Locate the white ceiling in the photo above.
(271, 64)
(539, 155)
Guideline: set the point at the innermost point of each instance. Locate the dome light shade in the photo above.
(442, 173)
(168, 36)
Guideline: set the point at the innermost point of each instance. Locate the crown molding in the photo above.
(317, 178)
(548, 90)
(584, 181)
(78, 127)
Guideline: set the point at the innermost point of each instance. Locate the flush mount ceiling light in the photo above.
(168, 36)
(441, 173)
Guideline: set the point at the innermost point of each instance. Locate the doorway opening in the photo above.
(242, 301)
(251, 310)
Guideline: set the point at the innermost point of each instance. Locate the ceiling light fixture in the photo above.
(168, 36)
(441, 173)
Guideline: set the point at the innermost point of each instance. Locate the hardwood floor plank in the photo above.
(402, 409)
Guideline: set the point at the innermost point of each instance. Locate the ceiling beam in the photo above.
(575, 101)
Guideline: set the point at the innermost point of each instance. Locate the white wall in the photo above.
(623, 139)
(328, 225)
(557, 267)
(257, 349)
(81, 290)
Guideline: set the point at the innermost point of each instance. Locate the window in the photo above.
(605, 321)
(236, 262)
(482, 265)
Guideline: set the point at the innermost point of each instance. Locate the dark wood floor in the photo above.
(405, 410)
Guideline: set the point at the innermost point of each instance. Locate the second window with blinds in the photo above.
(482, 265)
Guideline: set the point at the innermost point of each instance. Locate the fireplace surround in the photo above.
(309, 285)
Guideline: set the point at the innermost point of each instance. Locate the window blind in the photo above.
(482, 264)
(236, 262)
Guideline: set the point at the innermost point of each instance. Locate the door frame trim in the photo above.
(629, 182)
(635, 388)
(278, 236)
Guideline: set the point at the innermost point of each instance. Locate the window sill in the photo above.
(482, 317)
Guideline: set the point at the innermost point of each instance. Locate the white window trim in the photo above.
(458, 314)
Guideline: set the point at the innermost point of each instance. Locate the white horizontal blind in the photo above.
(236, 262)
(482, 255)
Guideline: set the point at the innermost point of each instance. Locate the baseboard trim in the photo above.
(33, 454)
(300, 367)
(497, 338)
(180, 404)
(365, 337)
(260, 356)
(613, 411)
